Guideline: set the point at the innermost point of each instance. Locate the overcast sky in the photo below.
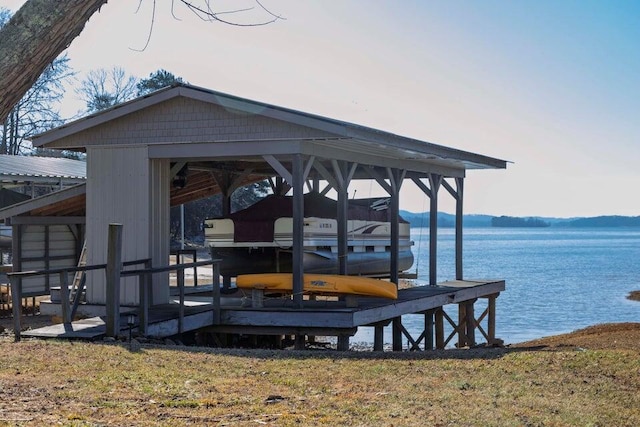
(552, 86)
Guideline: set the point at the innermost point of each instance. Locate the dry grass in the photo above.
(48, 382)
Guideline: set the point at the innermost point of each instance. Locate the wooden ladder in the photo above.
(76, 292)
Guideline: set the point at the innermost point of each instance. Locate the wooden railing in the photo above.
(68, 308)
(114, 271)
(144, 281)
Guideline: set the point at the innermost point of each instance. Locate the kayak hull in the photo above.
(329, 284)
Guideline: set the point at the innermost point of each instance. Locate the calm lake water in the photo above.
(557, 279)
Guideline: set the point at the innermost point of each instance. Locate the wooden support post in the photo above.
(144, 281)
(226, 204)
(434, 181)
(226, 282)
(378, 338)
(471, 323)
(397, 334)
(216, 293)
(428, 328)
(16, 305)
(343, 342)
(180, 280)
(299, 342)
(64, 298)
(459, 224)
(394, 213)
(342, 217)
(114, 267)
(298, 231)
(439, 314)
(394, 219)
(462, 332)
(491, 321)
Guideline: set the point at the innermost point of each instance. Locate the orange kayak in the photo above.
(320, 284)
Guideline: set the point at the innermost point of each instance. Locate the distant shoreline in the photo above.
(634, 296)
(446, 220)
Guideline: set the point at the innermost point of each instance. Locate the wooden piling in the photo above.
(439, 314)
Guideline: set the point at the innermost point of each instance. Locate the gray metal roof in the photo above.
(41, 169)
(367, 140)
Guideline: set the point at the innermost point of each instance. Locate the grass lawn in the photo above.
(74, 383)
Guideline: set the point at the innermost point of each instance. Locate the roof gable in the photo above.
(184, 114)
(188, 114)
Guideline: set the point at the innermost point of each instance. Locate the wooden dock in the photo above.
(279, 316)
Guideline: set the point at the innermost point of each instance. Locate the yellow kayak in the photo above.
(320, 284)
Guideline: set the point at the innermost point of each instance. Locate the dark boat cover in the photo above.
(255, 223)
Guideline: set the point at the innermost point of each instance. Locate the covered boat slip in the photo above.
(184, 143)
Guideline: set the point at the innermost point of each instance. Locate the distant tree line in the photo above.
(510, 221)
(607, 221)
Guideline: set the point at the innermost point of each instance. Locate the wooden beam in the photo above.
(337, 173)
(175, 169)
(280, 169)
(450, 189)
(238, 179)
(307, 167)
(333, 182)
(379, 179)
(325, 190)
(422, 186)
(352, 171)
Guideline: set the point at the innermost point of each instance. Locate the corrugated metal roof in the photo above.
(19, 168)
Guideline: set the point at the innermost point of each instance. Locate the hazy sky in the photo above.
(553, 86)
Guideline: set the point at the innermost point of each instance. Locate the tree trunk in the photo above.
(33, 38)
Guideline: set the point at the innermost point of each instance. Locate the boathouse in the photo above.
(183, 143)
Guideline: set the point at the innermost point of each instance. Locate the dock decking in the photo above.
(278, 316)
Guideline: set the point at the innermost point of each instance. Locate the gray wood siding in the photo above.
(33, 251)
(188, 120)
(117, 192)
(159, 213)
(125, 187)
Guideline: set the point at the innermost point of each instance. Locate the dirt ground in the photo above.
(605, 336)
(620, 336)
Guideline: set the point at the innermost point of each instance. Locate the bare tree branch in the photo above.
(153, 20)
(210, 15)
(42, 29)
(33, 38)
